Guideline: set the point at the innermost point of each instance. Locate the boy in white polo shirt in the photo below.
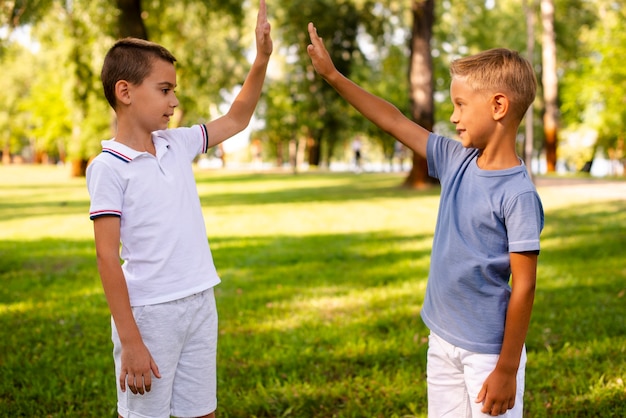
(143, 194)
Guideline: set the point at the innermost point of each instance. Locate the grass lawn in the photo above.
(323, 276)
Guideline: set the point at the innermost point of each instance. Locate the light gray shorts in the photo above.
(182, 338)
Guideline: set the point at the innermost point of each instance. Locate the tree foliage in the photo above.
(594, 90)
(52, 101)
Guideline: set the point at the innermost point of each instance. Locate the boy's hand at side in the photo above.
(320, 57)
(137, 365)
(264, 44)
(498, 392)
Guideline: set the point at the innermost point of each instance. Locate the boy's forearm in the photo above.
(242, 109)
(379, 111)
(516, 329)
(519, 311)
(116, 292)
(246, 101)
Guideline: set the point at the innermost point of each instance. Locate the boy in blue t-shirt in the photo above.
(143, 194)
(488, 226)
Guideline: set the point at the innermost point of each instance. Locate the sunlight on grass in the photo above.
(53, 302)
(349, 307)
(323, 277)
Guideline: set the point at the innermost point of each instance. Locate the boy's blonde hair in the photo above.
(130, 59)
(501, 70)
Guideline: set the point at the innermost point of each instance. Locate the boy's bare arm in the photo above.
(242, 109)
(136, 359)
(498, 391)
(382, 113)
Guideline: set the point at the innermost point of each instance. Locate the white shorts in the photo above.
(182, 338)
(455, 376)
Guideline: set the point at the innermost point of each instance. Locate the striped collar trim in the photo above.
(120, 151)
(117, 154)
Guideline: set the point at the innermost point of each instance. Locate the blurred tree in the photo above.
(15, 83)
(529, 146)
(130, 22)
(74, 36)
(594, 90)
(14, 13)
(212, 42)
(549, 82)
(329, 120)
(421, 80)
(369, 41)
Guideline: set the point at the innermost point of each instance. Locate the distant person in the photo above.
(399, 151)
(356, 150)
(488, 227)
(143, 193)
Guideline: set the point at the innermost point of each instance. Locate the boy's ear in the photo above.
(499, 106)
(122, 92)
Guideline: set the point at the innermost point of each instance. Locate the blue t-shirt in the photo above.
(483, 216)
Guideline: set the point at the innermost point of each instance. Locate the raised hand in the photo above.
(264, 44)
(320, 57)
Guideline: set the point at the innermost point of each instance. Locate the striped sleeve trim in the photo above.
(117, 154)
(101, 213)
(205, 137)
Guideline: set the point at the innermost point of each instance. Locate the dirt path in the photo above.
(583, 190)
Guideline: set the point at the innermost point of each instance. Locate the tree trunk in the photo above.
(130, 21)
(529, 137)
(78, 167)
(6, 154)
(550, 83)
(421, 83)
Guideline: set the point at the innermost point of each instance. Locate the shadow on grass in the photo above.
(54, 339)
(319, 325)
(327, 187)
(581, 270)
(46, 208)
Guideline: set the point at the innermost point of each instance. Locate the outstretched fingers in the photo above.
(316, 41)
(263, 28)
(320, 57)
(261, 17)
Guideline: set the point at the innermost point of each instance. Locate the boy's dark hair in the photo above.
(130, 59)
(500, 69)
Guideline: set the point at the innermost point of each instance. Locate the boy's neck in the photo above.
(487, 161)
(498, 155)
(135, 139)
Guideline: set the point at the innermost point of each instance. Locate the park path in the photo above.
(582, 189)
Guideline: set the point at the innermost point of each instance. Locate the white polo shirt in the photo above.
(165, 251)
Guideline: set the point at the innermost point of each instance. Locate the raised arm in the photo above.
(242, 109)
(382, 113)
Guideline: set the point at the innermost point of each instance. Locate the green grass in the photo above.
(323, 279)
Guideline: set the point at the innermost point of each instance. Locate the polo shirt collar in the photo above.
(126, 153)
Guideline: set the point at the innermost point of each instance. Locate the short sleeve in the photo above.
(105, 190)
(524, 220)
